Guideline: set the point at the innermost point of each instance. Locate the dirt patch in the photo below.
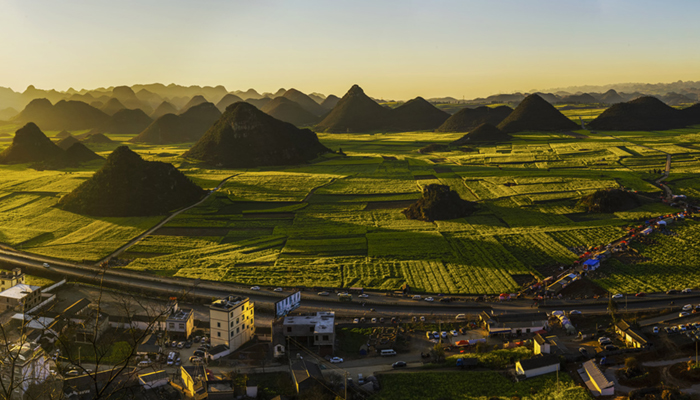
(168, 231)
(680, 371)
(522, 279)
(388, 205)
(650, 377)
(582, 288)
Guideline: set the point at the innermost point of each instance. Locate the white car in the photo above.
(618, 296)
(374, 320)
(687, 307)
(683, 314)
(356, 321)
(443, 334)
(323, 293)
(454, 333)
(429, 299)
(603, 339)
(436, 335)
(279, 289)
(255, 288)
(574, 312)
(656, 330)
(343, 294)
(336, 360)
(46, 265)
(686, 291)
(422, 318)
(363, 296)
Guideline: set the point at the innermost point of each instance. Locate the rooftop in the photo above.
(228, 303)
(596, 375)
(19, 291)
(182, 314)
(153, 376)
(323, 322)
(539, 361)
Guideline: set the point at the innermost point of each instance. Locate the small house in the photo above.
(597, 382)
(538, 365)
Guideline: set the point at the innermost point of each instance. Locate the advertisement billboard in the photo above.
(287, 305)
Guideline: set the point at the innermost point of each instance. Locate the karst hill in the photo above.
(536, 114)
(468, 119)
(186, 127)
(127, 185)
(247, 137)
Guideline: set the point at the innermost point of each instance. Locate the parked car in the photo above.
(181, 345)
(195, 359)
(336, 360)
(683, 314)
(343, 294)
(605, 343)
(46, 265)
(173, 344)
(356, 321)
(583, 351)
(323, 293)
(255, 288)
(446, 300)
(672, 291)
(443, 334)
(381, 320)
(279, 289)
(363, 296)
(374, 320)
(574, 312)
(188, 344)
(360, 379)
(199, 353)
(640, 294)
(686, 290)
(416, 297)
(603, 338)
(655, 330)
(687, 307)
(618, 296)
(436, 335)
(454, 332)
(429, 335)
(414, 319)
(429, 299)
(611, 347)
(422, 318)
(398, 364)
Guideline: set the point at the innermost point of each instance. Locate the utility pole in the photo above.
(345, 385)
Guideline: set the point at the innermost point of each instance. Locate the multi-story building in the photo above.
(10, 278)
(179, 322)
(20, 297)
(312, 330)
(231, 321)
(26, 364)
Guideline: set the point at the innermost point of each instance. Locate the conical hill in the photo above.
(126, 122)
(127, 185)
(186, 127)
(164, 108)
(227, 100)
(30, 145)
(483, 133)
(289, 111)
(67, 142)
(306, 102)
(642, 114)
(356, 112)
(536, 114)
(467, 119)
(247, 137)
(417, 115)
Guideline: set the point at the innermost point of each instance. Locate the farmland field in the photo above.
(337, 222)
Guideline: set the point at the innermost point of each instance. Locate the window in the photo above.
(218, 324)
(238, 330)
(231, 314)
(182, 326)
(172, 325)
(325, 337)
(289, 329)
(231, 324)
(311, 329)
(218, 334)
(237, 320)
(231, 334)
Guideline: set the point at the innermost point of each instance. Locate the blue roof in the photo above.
(591, 262)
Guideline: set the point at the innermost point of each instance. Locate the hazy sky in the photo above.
(393, 49)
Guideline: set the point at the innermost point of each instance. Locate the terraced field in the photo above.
(338, 222)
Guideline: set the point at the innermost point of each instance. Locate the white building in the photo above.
(538, 365)
(312, 330)
(597, 382)
(180, 321)
(31, 367)
(231, 321)
(20, 297)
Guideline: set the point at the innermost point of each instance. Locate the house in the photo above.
(312, 330)
(154, 379)
(514, 323)
(306, 375)
(179, 321)
(632, 337)
(541, 345)
(194, 379)
(149, 346)
(20, 297)
(30, 363)
(538, 365)
(231, 321)
(591, 264)
(597, 381)
(10, 278)
(91, 327)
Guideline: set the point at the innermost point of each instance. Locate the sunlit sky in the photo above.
(393, 49)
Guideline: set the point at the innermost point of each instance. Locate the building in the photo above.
(631, 336)
(538, 365)
(231, 321)
(154, 379)
(20, 297)
(550, 345)
(312, 330)
(149, 346)
(91, 327)
(10, 278)
(180, 321)
(514, 323)
(306, 375)
(541, 345)
(596, 380)
(194, 378)
(31, 367)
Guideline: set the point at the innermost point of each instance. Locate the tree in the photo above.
(437, 353)
(632, 364)
(612, 308)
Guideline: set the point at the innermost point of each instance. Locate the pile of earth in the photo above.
(439, 202)
(247, 137)
(483, 133)
(127, 185)
(467, 119)
(535, 114)
(357, 112)
(186, 127)
(64, 115)
(642, 114)
(30, 145)
(610, 201)
(289, 111)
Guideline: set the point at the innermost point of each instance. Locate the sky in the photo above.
(392, 49)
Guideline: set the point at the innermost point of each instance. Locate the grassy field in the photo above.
(338, 222)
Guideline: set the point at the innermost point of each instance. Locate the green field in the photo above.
(337, 222)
